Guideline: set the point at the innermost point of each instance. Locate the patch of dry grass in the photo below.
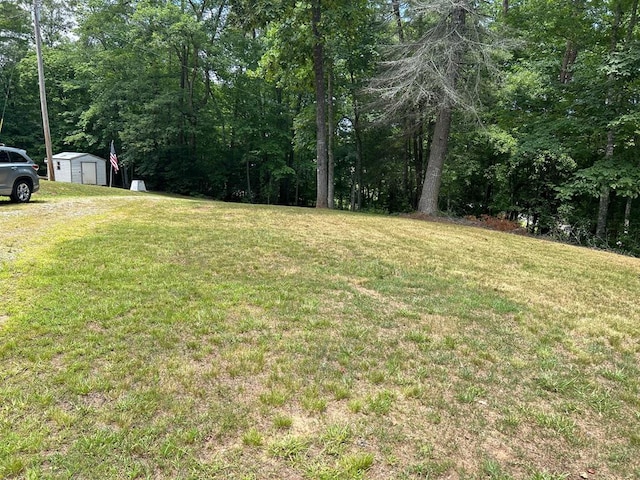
(174, 338)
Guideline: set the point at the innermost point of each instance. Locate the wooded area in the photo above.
(526, 109)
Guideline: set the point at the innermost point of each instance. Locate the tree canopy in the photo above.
(526, 110)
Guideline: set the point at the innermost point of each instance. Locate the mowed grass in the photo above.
(144, 336)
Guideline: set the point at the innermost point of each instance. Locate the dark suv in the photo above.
(18, 174)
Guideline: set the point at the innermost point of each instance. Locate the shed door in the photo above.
(89, 173)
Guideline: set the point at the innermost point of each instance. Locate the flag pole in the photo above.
(111, 178)
(113, 160)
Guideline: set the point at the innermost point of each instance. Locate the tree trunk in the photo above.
(183, 58)
(248, 174)
(356, 202)
(321, 116)
(406, 127)
(603, 211)
(605, 191)
(406, 187)
(418, 161)
(358, 173)
(125, 178)
(632, 22)
(297, 201)
(330, 138)
(352, 204)
(438, 150)
(420, 147)
(398, 17)
(627, 215)
(431, 187)
(570, 55)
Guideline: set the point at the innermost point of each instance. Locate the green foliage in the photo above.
(215, 99)
(618, 175)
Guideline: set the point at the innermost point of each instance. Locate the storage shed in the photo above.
(83, 168)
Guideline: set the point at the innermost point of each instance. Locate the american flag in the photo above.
(113, 158)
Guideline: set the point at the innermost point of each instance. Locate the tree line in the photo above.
(525, 109)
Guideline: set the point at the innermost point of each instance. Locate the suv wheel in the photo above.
(21, 191)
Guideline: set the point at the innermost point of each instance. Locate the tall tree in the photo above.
(427, 75)
(15, 31)
(615, 99)
(322, 159)
(431, 188)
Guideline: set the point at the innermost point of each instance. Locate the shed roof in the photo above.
(74, 155)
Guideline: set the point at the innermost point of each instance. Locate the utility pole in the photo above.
(43, 94)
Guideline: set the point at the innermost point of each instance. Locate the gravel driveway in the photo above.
(24, 224)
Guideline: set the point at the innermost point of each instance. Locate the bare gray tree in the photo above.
(425, 76)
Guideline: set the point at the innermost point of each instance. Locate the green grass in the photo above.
(145, 336)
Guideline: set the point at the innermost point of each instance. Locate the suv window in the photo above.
(11, 157)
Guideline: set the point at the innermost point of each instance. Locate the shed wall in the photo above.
(76, 170)
(71, 168)
(62, 170)
(102, 172)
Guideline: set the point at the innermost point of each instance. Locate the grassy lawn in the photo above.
(144, 336)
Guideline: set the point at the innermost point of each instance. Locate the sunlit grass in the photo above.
(145, 336)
